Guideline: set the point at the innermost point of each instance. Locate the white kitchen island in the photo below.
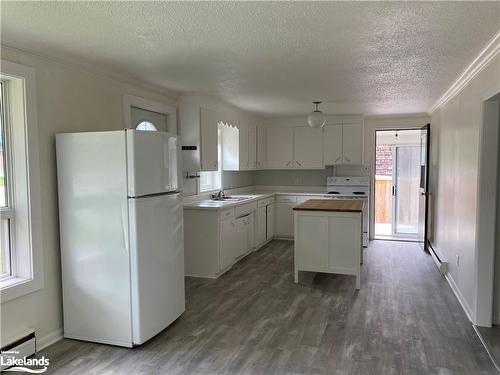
(328, 237)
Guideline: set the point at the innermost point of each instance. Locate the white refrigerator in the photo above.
(121, 232)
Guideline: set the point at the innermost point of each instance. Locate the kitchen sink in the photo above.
(230, 198)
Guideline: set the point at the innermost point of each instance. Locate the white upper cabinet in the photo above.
(332, 146)
(352, 143)
(261, 147)
(230, 136)
(243, 139)
(208, 142)
(308, 150)
(343, 144)
(239, 147)
(279, 147)
(252, 146)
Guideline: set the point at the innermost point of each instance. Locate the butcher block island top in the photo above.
(344, 205)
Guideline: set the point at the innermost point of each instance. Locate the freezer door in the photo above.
(157, 263)
(151, 162)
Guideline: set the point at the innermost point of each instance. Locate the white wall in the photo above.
(455, 141)
(70, 99)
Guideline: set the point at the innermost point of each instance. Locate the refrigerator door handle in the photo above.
(125, 231)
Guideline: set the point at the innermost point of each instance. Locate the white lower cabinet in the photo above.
(240, 246)
(260, 233)
(270, 221)
(228, 240)
(284, 219)
(328, 242)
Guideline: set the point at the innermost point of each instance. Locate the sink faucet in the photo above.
(219, 195)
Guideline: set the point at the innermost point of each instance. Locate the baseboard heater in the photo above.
(440, 264)
(18, 348)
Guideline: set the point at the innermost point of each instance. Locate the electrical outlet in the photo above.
(457, 260)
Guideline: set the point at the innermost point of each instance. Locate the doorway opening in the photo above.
(398, 156)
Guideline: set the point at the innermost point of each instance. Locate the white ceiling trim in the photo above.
(478, 64)
(95, 69)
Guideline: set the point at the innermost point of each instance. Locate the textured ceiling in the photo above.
(272, 58)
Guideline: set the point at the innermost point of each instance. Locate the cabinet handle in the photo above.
(215, 164)
(298, 163)
(336, 160)
(347, 159)
(287, 164)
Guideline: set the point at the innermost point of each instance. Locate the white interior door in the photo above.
(157, 263)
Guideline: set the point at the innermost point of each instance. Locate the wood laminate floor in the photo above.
(255, 320)
(491, 339)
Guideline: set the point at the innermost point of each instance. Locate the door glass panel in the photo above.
(407, 176)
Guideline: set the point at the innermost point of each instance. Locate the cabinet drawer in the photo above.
(286, 198)
(269, 201)
(245, 208)
(265, 202)
(226, 214)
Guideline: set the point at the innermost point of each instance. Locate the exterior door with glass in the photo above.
(405, 191)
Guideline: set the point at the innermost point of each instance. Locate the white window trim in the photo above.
(130, 101)
(28, 250)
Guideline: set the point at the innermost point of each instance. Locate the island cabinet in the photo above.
(328, 237)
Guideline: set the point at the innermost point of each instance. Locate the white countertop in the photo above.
(208, 204)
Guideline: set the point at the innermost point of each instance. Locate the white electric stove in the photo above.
(351, 188)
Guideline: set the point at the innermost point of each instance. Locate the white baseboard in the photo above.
(460, 297)
(486, 346)
(50, 338)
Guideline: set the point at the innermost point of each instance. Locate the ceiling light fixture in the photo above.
(316, 119)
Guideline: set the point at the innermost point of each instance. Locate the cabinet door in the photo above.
(352, 143)
(308, 147)
(260, 235)
(279, 147)
(270, 221)
(252, 146)
(332, 145)
(250, 229)
(284, 219)
(227, 243)
(240, 244)
(244, 161)
(312, 240)
(230, 148)
(208, 142)
(261, 147)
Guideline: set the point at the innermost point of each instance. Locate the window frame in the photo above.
(27, 247)
(212, 187)
(8, 212)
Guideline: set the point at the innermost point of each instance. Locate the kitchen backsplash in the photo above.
(313, 177)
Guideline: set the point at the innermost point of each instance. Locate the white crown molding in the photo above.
(397, 116)
(478, 64)
(95, 69)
